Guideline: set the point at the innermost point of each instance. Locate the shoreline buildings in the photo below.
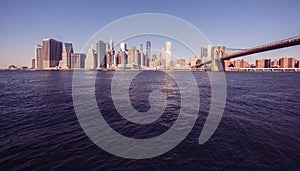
(53, 54)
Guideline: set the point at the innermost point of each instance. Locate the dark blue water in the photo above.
(259, 130)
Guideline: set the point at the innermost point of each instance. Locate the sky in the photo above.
(235, 24)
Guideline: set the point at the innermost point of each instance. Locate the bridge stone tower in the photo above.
(217, 53)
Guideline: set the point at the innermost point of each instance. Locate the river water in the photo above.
(259, 129)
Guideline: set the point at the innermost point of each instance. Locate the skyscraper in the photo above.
(206, 52)
(91, 58)
(112, 53)
(132, 56)
(148, 52)
(67, 50)
(78, 60)
(163, 57)
(52, 53)
(33, 64)
(101, 52)
(108, 57)
(38, 51)
(168, 54)
(142, 55)
(123, 48)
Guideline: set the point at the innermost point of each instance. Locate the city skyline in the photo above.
(24, 24)
(55, 54)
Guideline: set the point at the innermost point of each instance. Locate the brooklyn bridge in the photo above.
(219, 54)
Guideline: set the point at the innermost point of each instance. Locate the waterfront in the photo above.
(259, 129)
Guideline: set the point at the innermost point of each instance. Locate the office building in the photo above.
(69, 51)
(65, 62)
(118, 58)
(206, 52)
(163, 57)
(52, 53)
(33, 64)
(112, 53)
(267, 63)
(133, 56)
(292, 62)
(78, 60)
(260, 63)
(91, 58)
(283, 62)
(108, 57)
(101, 52)
(123, 46)
(168, 54)
(123, 49)
(38, 51)
(111, 44)
(142, 63)
(148, 52)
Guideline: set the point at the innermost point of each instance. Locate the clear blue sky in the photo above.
(238, 24)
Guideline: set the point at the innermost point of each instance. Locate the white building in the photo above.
(123, 47)
(65, 62)
(91, 58)
(168, 54)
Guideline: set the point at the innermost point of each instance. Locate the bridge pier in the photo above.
(217, 65)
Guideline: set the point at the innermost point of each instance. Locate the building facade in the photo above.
(52, 53)
(65, 62)
(260, 63)
(168, 54)
(267, 63)
(91, 58)
(33, 64)
(38, 51)
(292, 62)
(101, 52)
(206, 53)
(148, 52)
(77, 60)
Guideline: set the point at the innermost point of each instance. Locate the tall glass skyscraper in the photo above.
(101, 52)
(148, 52)
(69, 51)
